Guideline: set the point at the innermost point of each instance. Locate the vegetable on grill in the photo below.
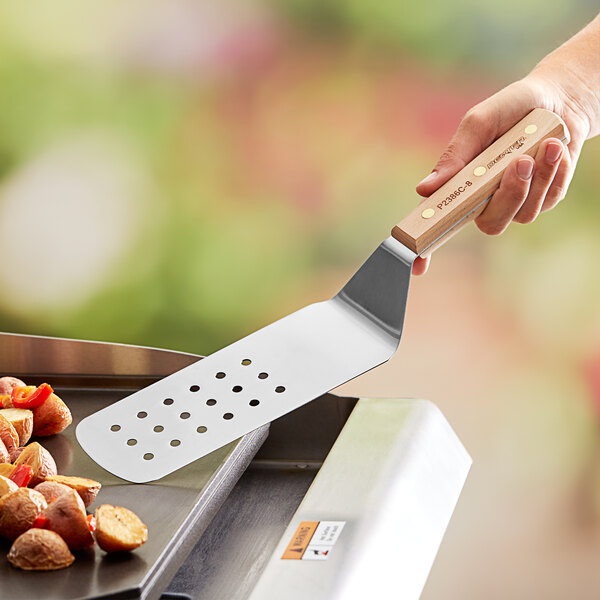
(40, 550)
(42, 512)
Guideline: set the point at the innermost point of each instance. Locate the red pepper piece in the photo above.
(20, 394)
(91, 519)
(29, 396)
(22, 475)
(40, 521)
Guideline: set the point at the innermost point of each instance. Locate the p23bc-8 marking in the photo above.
(455, 194)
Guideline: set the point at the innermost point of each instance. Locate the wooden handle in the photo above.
(464, 197)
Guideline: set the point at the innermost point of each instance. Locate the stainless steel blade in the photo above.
(257, 379)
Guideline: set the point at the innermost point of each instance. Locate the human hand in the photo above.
(529, 186)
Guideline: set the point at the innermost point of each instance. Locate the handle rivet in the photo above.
(428, 213)
(479, 171)
(530, 129)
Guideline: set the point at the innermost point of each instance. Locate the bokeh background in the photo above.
(178, 173)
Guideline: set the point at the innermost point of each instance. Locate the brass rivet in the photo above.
(530, 129)
(479, 171)
(428, 213)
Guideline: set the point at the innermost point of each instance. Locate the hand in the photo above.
(529, 186)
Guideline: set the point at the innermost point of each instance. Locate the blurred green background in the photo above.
(179, 173)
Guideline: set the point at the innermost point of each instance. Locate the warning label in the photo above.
(299, 543)
(313, 540)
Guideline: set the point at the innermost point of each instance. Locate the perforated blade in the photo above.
(257, 379)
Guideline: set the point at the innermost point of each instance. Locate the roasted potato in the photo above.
(40, 550)
(67, 517)
(6, 469)
(22, 420)
(18, 511)
(8, 383)
(87, 488)
(15, 453)
(51, 417)
(8, 434)
(7, 486)
(119, 529)
(40, 460)
(51, 490)
(4, 454)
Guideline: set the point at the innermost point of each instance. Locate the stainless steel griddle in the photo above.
(391, 470)
(90, 376)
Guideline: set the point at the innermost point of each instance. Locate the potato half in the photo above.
(22, 420)
(8, 434)
(7, 486)
(40, 460)
(51, 417)
(18, 511)
(6, 469)
(4, 454)
(87, 488)
(51, 490)
(40, 550)
(8, 383)
(119, 529)
(67, 517)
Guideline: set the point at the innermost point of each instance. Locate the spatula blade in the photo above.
(257, 379)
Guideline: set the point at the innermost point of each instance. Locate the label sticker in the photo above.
(313, 540)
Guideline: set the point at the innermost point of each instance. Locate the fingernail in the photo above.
(524, 168)
(429, 178)
(553, 152)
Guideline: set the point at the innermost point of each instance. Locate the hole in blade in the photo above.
(220, 375)
(211, 402)
(279, 389)
(228, 416)
(159, 428)
(202, 429)
(148, 456)
(142, 414)
(168, 401)
(263, 375)
(236, 388)
(175, 443)
(246, 362)
(131, 442)
(115, 428)
(195, 388)
(184, 415)
(254, 402)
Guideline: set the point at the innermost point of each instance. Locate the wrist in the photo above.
(573, 70)
(568, 93)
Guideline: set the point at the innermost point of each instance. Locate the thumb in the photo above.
(481, 125)
(449, 163)
(475, 133)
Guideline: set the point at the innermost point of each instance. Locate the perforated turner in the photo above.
(273, 371)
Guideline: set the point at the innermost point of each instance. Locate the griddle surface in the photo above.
(176, 510)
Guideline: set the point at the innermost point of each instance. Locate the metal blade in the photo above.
(256, 379)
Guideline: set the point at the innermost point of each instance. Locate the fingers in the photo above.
(566, 170)
(473, 135)
(560, 183)
(527, 187)
(420, 265)
(479, 128)
(476, 131)
(547, 161)
(508, 198)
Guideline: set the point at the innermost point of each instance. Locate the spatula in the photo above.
(259, 378)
